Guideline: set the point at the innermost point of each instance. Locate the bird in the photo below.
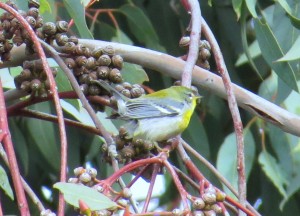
(155, 117)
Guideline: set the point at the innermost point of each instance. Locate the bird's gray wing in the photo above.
(151, 108)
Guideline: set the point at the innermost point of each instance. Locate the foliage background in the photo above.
(272, 156)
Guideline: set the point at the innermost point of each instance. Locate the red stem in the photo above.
(150, 189)
(53, 88)
(192, 56)
(238, 126)
(9, 148)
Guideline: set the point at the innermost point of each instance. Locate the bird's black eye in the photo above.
(190, 95)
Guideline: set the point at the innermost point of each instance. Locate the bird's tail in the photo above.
(121, 99)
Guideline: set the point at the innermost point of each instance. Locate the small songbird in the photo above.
(157, 116)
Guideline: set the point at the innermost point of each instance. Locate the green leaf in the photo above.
(63, 84)
(141, 26)
(77, 12)
(44, 136)
(227, 157)
(75, 192)
(237, 7)
(44, 6)
(4, 183)
(133, 73)
(294, 20)
(293, 53)
(251, 7)
(273, 171)
(271, 51)
(121, 37)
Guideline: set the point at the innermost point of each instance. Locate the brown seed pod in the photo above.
(94, 90)
(6, 56)
(35, 84)
(92, 76)
(73, 39)
(15, 23)
(70, 62)
(184, 41)
(78, 71)
(103, 72)
(92, 172)
(104, 60)
(25, 74)
(28, 65)
(5, 25)
(34, 3)
(40, 34)
(25, 86)
(84, 78)
(117, 61)
(127, 85)
(85, 178)
(204, 44)
(8, 46)
(79, 48)
(43, 93)
(119, 87)
(216, 208)
(84, 88)
(8, 35)
(138, 143)
(126, 93)
(81, 61)
(209, 198)
(61, 39)
(49, 28)
(90, 63)
(120, 143)
(47, 84)
(31, 21)
(122, 132)
(108, 50)
(203, 64)
(12, 4)
(204, 54)
(62, 26)
(198, 204)
(115, 75)
(128, 152)
(136, 92)
(97, 52)
(69, 47)
(39, 22)
(34, 12)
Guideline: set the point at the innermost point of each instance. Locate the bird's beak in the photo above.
(198, 98)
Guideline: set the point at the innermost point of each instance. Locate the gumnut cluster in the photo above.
(204, 51)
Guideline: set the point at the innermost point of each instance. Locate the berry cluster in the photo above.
(204, 51)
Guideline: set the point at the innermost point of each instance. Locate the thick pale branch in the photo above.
(202, 78)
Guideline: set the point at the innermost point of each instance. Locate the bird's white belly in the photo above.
(158, 129)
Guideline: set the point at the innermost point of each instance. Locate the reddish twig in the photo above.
(150, 189)
(62, 132)
(194, 9)
(13, 165)
(238, 126)
(183, 193)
